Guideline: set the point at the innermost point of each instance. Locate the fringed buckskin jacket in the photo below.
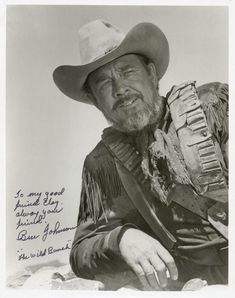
(169, 182)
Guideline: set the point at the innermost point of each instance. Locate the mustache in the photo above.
(125, 98)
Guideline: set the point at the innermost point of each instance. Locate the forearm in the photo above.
(98, 253)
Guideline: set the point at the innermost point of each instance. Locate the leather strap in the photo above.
(131, 175)
(144, 203)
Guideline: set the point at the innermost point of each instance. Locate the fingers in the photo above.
(160, 269)
(141, 276)
(169, 262)
(150, 274)
(172, 270)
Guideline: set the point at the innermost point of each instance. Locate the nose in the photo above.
(120, 89)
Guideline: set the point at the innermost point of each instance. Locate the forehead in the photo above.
(121, 63)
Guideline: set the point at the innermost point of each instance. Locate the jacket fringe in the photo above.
(100, 185)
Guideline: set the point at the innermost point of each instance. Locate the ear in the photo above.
(153, 73)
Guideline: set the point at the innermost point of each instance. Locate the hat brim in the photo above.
(145, 39)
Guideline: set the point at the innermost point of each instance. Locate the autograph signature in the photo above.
(24, 235)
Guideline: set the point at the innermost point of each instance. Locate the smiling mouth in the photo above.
(127, 103)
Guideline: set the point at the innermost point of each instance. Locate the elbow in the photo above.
(79, 265)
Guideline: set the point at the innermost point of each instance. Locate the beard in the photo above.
(138, 120)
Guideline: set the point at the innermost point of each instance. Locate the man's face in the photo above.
(126, 92)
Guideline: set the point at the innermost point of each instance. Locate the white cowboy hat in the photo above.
(100, 42)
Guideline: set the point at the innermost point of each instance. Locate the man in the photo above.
(154, 190)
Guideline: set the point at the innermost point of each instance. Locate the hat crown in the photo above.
(101, 43)
(98, 38)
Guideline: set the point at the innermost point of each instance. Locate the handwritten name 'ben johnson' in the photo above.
(25, 236)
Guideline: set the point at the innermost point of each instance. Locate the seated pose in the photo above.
(154, 189)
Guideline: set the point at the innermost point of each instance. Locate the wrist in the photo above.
(113, 238)
(123, 230)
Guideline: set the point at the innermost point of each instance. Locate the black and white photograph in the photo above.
(117, 129)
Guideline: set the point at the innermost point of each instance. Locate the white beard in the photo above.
(136, 122)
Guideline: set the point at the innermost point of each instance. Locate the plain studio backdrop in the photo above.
(48, 134)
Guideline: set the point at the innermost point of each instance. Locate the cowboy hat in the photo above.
(100, 42)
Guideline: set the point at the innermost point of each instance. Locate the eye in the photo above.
(105, 83)
(129, 72)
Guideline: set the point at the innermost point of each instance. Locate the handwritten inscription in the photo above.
(43, 252)
(35, 207)
(57, 229)
(36, 219)
(24, 236)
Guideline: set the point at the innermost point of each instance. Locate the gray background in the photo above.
(49, 135)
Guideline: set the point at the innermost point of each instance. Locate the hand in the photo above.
(147, 258)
